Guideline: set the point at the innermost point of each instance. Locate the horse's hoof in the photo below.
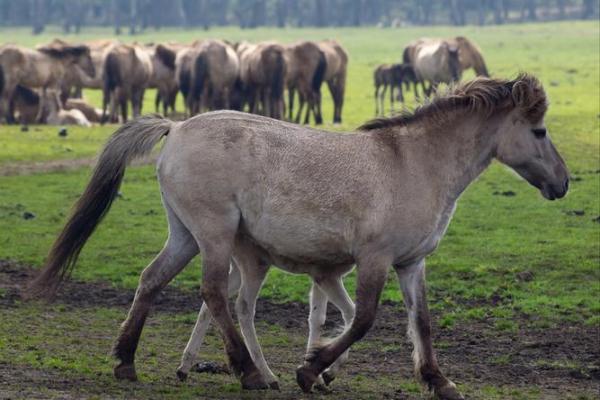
(305, 378)
(448, 392)
(182, 376)
(328, 377)
(274, 385)
(320, 387)
(254, 381)
(125, 371)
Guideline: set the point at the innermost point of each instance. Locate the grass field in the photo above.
(512, 265)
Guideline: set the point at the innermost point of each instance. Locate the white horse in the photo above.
(267, 192)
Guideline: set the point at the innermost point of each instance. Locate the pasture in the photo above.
(514, 287)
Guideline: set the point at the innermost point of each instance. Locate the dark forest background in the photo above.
(131, 16)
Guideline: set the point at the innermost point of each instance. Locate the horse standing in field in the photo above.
(126, 72)
(215, 69)
(305, 73)
(335, 74)
(272, 193)
(263, 70)
(434, 62)
(163, 76)
(394, 76)
(183, 75)
(443, 60)
(45, 68)
(76, 79)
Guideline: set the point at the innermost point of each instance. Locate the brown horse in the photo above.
(267, 192)
(305, 73)
(215, 68)
(45, 67)
(470, 56)
(163, 76)
(76, 79)
(394, 76)
(126, 73)
(183, 74)
(335, 74)
(263, 69)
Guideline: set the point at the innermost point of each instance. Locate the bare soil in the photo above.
(558, 361)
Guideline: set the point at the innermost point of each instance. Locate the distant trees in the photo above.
(138, 15)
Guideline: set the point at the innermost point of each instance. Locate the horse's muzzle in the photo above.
(553, 192)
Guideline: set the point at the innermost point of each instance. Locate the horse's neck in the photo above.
(463, 150)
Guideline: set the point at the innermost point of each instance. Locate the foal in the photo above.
(268, 192)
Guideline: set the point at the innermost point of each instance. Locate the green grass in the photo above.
(476, 273)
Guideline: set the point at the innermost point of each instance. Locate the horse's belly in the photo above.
(300, 241)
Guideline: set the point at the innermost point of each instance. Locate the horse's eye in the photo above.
(539, 133)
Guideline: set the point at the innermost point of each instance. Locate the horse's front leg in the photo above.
(371, 278)
(190, 354)
(412, 283)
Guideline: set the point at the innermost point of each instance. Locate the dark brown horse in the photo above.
(394, 76)
(305, 73)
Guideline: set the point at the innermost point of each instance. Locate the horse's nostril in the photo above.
(566, 184)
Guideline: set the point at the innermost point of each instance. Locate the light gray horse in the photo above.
(267, 192)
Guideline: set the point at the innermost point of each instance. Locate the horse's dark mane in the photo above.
(483, 96)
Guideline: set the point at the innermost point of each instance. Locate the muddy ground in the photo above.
(558, 362)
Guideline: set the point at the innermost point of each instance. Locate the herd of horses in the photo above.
(210, 75)
(427, 63)
(45, 85)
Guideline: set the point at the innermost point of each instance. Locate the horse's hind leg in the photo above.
(412, 283)
(215, 235)
(337, 294)
(178, 251)
(190, 354)
(254, 272)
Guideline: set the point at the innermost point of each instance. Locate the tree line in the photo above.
(132, 16)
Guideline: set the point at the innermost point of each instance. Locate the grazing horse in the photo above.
(267, 192)
(306, 69)
(434, 62)
(335, 74)
(126, 73)
(215, 69)
(392, 75)
(470, 56)
(263, 70)
(183, 75)
(45, 68)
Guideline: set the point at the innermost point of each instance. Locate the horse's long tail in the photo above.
(277, 73)
(200, 76)
(319, 72)
(112, 79)
(133, 139)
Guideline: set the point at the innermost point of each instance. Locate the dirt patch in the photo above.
(29, 168)
(557, 361)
